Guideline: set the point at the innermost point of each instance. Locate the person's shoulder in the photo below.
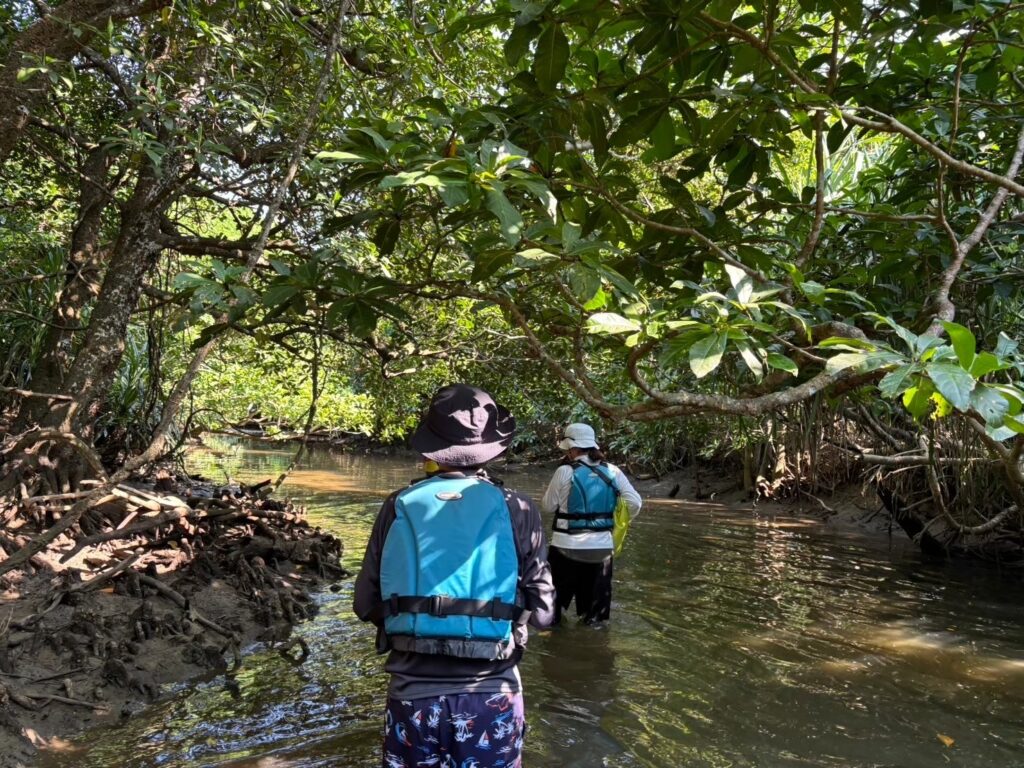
(517, 500)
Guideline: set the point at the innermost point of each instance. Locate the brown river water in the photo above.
(739, 637)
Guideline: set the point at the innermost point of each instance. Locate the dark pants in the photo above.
(589, 583)
(464, 730)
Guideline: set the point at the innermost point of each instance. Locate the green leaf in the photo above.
(963, 343)
(918, 399)
(386, 235)
(508, 216)
(845, 360)
(1005, 345)
(279, 294)
(751, 358)
(895, 382)
(534, 257)
(518, 41)
(706, 353)
(488, 263)
(599, 300)
(953, 382)
(843, 342)
(611, 323)
(584, 283)
(362, 319)
(342, 156)
(990, 404)
(742, 284)
(782, 363)
(1013, 425)
(985, 362)
(411, 179)
(550, 58)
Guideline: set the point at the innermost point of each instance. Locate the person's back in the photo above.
(454, 570)
(582, 495)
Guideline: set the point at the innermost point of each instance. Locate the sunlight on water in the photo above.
(739, 638)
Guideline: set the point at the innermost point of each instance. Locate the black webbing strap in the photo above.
(442, 605)
(586, 515)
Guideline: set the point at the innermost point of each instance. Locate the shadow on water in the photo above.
(739, 638)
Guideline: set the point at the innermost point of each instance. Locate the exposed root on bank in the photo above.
(151, 583)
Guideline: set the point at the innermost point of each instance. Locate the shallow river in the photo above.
(739, 638)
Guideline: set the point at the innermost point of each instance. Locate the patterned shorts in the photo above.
(465, 730)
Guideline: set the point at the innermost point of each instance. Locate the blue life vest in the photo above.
(593, 495)
(449, 570)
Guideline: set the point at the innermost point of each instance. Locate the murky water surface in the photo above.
(739, 638)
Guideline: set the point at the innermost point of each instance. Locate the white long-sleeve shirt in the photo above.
(557, 497)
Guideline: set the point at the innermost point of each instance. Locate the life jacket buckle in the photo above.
(438, 606)
(393, 604)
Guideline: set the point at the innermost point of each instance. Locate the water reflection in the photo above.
(739, 638)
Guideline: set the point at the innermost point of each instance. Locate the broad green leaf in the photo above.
(1005, 345)
(843, 342)
(611, 323)
(985, 363)
(1002, 433)
(782, 363)
(1014, 397)
(706, 353)
(1014, 425)
(599, 300)
(551, 57)
(508, 216)
(918, 399)
(343, 156)
(963, 343)
(410, 179)
(953, 382)
(845, 360)
(742, 284)
(518, 41)
(279, 294)
(942, 406)
(990, 404)
(584, 283)
(385, 237)
(534, 257)
(894, 382)
(751, 358)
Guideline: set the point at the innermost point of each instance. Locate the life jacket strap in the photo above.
(441, 606)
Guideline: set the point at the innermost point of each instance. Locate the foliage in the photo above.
(634, 211)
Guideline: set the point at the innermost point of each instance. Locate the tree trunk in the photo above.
(81, 286)
(134, 256)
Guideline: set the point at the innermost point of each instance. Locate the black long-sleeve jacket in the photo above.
(417, 675)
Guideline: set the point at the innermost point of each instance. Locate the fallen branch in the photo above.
(125, 533)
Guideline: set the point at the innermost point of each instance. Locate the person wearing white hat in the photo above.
(582, 495)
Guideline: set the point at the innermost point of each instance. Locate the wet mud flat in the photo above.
(160, 583)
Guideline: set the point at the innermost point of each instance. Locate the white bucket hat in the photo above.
(578, 436)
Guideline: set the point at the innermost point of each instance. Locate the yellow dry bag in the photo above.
(621, 525)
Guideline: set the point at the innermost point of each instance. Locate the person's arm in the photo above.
(367, 590)
(628, 493)
(535, 582)
(557, 494)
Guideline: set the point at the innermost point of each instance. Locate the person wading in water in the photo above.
(582, 495)
(455, 569)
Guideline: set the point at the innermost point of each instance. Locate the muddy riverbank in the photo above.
(159, 583)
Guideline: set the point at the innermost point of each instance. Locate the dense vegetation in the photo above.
(790, 231)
